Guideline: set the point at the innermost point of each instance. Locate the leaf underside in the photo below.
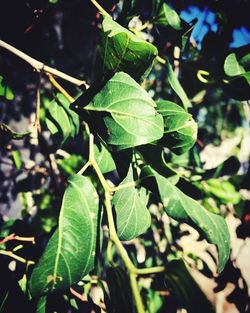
(132, 215)
(180, 130)
(185, 209)
(62, 122)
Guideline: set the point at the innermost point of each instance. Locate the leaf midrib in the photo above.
(92, 225)
(60, 232)
(206, 213)
(106, 108)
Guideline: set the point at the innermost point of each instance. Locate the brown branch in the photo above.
(79, 296)
(59, 87)
(39, 66)
(18, 238)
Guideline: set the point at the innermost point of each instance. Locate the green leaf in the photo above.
(180, 130)
(175, 84)
(130, 118)
(132, 215)
(41, 305)
(245, 61)
(17, 159)
(5, 228)
(154, 300)
(223, 190)
(154, 156)
(121, 50)
(70, 253)
(104, 158)
(5, 130)
(62, 122)
(185, 209)
(168, 17)
(75, 162)
(233, 68)
(73, 117)
(188, 293)
(71, 164)
(23, 283)
(5, 91)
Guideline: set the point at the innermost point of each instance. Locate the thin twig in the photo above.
(60, 88)
(16, 257)
(133, 271)
(99, 8)
(83, 169)
(39, 66)
(79, 296)
(38, 106)
(136, 293)
(18, 238)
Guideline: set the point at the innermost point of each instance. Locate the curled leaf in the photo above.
(180, 130)
(121, 50)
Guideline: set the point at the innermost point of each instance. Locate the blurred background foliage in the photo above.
(64, 34)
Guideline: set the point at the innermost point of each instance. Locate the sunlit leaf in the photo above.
(180, 130)
(130, 115)
(132, 215)
(70, 252)
(168, 17)
(121, 50)
(185, 209)
(223, 190)
(233, 68)
(104, 158)
(17, 159)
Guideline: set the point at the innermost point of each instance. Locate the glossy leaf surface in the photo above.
(233, 68)
(70, 252)
(180, 130)
(168, 17)
(131, 118)
(132, 215)
(121, 50)
(185, 209)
